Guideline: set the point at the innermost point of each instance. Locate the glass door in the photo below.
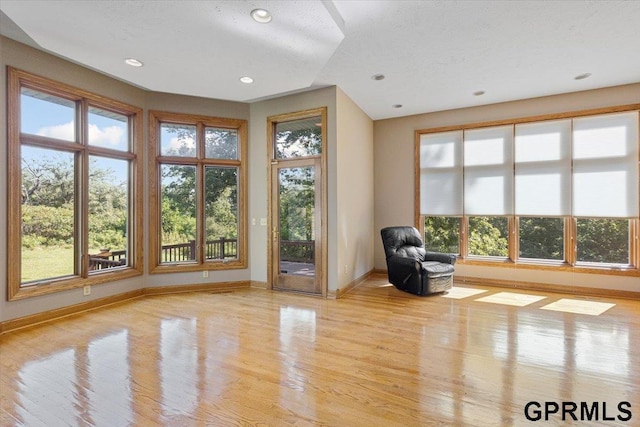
(296, 226)
(297, 198)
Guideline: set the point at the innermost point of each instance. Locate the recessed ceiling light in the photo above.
(378, 77)
(397, 105)
(582, 76)
(133, 62)
(262, 16)
(246, 79)
(478, 93)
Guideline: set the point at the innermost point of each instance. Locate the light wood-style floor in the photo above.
(377, 357)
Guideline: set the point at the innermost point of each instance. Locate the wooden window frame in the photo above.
(570, 234)
(156, 160)
(16, 80)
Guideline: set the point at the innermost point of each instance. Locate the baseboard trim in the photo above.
(200, 287)
(536, 286)
(58, 313)
(340, 292)
(255, 284)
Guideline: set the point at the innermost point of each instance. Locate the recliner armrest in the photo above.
(401, 269)
(440, 257)
(403, 262)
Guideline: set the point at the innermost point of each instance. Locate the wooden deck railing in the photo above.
(297, 250)
(214, 249)
(290, 250)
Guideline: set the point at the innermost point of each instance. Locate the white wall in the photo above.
(258, 161)
(204, 107)
(37, 62)
(349, 227)
(355, 227)
(394, 172)
(364, 159)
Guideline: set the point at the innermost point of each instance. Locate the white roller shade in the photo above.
(605, 166)
(441, 174)
(488, 171)
(543, 168)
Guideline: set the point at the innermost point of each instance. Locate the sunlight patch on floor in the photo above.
(511, 298)
(576, 306)
(459, 293)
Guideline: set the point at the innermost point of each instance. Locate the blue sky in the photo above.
(46, 118)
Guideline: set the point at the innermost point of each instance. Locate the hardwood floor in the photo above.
(376, 357)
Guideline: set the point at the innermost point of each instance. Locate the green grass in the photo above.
(46, 263)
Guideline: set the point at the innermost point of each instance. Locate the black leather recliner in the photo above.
(410, 267)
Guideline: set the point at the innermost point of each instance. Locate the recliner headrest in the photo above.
(403, 241)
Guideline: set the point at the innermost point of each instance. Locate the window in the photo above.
(442, 234)
(198, 198)
(603, 240)
(562, 191)
(541, 238)
(74, 216)
(298, 138)
(488, 236)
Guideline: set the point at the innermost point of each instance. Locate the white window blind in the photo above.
(441, 174)
(488, 171)
(543, 168)
(605, 166)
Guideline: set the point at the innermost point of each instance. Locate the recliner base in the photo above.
(438, 284)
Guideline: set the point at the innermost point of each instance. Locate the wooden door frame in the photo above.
(321, 240)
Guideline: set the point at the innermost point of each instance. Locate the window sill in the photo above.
(552, 266)
(67, 283)
(191, 267)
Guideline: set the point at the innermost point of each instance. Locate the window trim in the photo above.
(156, 118)
(17, 79)
(569, 264)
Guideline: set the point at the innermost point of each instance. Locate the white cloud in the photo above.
(110, 136)
(176, 143)
(65, 131)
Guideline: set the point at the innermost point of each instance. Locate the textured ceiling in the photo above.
(434, 54)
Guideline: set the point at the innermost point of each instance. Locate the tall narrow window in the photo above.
(441, 201)
(542, 187)
(74, 214)
(488, 189)
(605, 181)
(198, 220)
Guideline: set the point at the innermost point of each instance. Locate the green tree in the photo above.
(603, 240)
(47, 225)
(305, 139)
(48, 181)
(542, 238)
(222, 218)
(442, 234)
(179, 187)
(297, 198)
(48, 194)
(488, 236)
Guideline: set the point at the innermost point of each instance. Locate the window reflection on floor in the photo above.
(590, 340)
(108, 374)
(297, 339)
(48, 390)
(179, 366)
